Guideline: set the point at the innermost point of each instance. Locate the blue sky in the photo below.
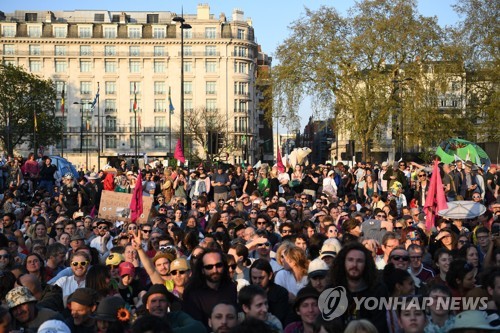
(271, 18)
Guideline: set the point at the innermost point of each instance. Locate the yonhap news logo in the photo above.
(333, 303)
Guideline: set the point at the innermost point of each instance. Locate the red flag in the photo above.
(178, 154)
(436, 199)
(279, 162)
(136, 207)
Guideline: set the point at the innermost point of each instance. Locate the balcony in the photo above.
(109, 110)
(72, 54)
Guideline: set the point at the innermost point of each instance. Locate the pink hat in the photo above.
(126, 268)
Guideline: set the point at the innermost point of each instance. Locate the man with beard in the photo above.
(161, 303)
(70, 197)
(209, 284)
(26, 316)
(223, 318)
(103, 243)
(355, 270)
(9, 229)
(79, 264)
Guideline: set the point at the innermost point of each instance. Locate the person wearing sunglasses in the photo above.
(79, 264)
(210, 285)
(104, 241)
(400, 258)
(180, 271)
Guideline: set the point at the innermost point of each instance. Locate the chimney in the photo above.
(123, 18)
(238, 15)
(203, 11)
(48, 17)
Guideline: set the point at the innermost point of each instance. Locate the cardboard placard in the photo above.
(115, 206)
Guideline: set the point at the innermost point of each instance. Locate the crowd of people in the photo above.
(246, 249)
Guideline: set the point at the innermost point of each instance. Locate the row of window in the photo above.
(111, 142)
(109, 50)
(111, 66)
(160, 105)
(86, 31)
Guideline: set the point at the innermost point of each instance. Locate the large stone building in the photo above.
(137, 56)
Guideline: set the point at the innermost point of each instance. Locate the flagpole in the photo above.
(98, 132)
(34, 130)
(135, 128)
(62, 131)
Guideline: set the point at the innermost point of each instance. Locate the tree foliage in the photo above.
(205, 127)
(355, 68)
(22, 95)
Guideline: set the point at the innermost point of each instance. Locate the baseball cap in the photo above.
(126, 268)
(179, 264)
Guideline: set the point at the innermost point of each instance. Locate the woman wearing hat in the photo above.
(111, 315)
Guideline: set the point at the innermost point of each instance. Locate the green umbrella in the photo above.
(466, 150)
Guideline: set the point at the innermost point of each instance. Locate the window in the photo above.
(8, 62)
(85, 32)
(137, 87)
(210, 32)
(159, 32)
(34, 31)
(110, 140)
(188, 50)
(8, 31)
(211, 66)
(240, 124)
(160, 124)
(187, 33)
(159, 87)
(85, 87)
(211, 105)
(10, 49)
(135, 66)
(159, 51)
(85, 50)
(188, 87)
(30, 17)
(35, 49)
(240, 105)
(109, 32)
(61, 66)
(110, 105)
(443, 102)
(110, 87)
(60, 50)
(110, 66)
(99, 17)
(60, 86)
(109, 50)
(241, 34)
(211, 50)
(110, 123)
(160, 141)
(152, 18)
(134, 51)
(159, 66)
(35, 65)
(134, 32)
(160, 105)
(188, 105)
(240, 51)
(132, 137)
(188, 66)
(241, 67)
(60, 32)
(85, 66)
(210, 87)
(241, 88)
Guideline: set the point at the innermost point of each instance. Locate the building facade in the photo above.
(134, 58)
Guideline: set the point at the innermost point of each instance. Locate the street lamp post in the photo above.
(81, 132)
(401, 114)
(182, 26)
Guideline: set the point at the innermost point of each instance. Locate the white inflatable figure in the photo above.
(299, 156)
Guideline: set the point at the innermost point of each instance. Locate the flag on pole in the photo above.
(436, 199)
(94, 102)
(62, 103)
(136, 207)
(170, 105)
(279, 162)
(135, 99)
(178, 154)
(35, 121)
